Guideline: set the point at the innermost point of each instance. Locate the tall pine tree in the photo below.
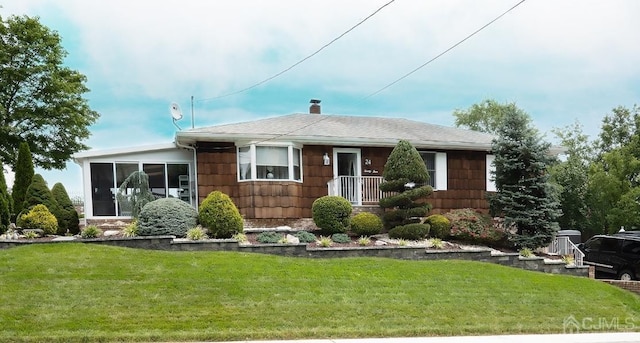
(5, 203)
(524, 196)
(24, 173)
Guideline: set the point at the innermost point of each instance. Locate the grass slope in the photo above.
(83, 292)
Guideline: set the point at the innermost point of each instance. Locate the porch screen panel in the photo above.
(157, 179)
(123, 170)
(178, 180)
(272, 162)
(102, 189)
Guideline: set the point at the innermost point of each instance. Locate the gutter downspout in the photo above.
(195, 167)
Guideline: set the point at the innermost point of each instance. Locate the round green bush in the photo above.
(412, 232)
(220, 215)
(331, 214)
(305, 237)
(39, 217)
(440, 226)
(366, 224)
(166, 216)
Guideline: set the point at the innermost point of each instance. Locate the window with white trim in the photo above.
(269, 162)
(436, 163)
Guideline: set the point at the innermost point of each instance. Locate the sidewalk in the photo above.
(618, 337)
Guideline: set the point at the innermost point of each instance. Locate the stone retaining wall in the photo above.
(302, 250)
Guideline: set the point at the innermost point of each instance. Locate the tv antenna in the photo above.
(176, 113)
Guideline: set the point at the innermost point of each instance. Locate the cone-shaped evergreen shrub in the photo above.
(405, 175)
(24, 173)
(68, 221)
(332, 214)
(220, 215)
(39, 217)
(6, 203)
(39, 193)
(166, 216)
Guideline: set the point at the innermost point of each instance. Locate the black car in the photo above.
(616, 256)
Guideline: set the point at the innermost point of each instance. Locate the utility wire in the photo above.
(302, 60)
(444, 52)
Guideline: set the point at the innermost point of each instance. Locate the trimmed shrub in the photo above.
(331, 214)
(220, 215)
(474, 227)
(366, 224)
(68, 220)
(166, 216)
(305, 237)
(440, 226)
(405, 183)
(341, 238)
(412, 232)
(269, 237)
(39, 217)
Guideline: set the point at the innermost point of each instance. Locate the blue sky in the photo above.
(559, 60)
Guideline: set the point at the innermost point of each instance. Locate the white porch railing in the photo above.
(562, 245)
(357, 189)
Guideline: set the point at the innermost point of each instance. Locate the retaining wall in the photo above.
(302, 250)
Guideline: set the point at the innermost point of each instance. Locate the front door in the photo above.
(346, 169)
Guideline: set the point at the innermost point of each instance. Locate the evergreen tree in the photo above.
(405, 175)
(38, 193)
(5, 203)
(23, 175)
(524, 196)
(69, 221)
(134, 193)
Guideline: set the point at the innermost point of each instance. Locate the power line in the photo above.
(302, 60)
(444, 52)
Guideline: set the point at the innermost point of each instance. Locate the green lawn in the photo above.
(83, 292)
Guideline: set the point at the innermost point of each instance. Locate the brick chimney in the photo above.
(315, 106)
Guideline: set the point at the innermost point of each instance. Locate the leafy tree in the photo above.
(572, 177)
(618, 128)
(40, 99)
(69, 220)
(23, 175)
(134, 193)
(613, 191)
(524, 196)
(39, 194)
(405, 176)
(486, 116)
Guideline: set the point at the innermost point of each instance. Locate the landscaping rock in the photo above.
(63, 239)
(293, 239)
(111, 233)
(380, 243)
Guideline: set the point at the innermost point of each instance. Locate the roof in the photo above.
(342, 130)
(121, 151)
